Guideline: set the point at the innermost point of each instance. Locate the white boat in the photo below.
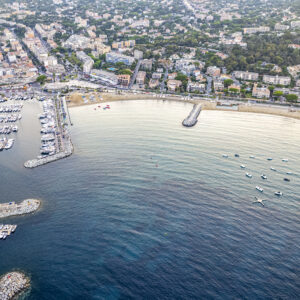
(259, 188)
(248, 175)
(285, 160)
(289, 173)
(252, 156)
(270, 158)
(273, 169)
(225, 155)
(242, 166)
(263, 176)
(278, 193)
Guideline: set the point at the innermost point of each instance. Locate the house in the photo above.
(196, 87)
(156, 75)
(124, 79)
(245, 75)
(104, 76)
(218, 85)
(172, 75)
(173, 84)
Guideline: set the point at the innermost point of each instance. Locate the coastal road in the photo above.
(136, 70)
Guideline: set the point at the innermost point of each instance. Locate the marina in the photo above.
(25, 207)
(55, 140)
(192, 118)
(12, 284)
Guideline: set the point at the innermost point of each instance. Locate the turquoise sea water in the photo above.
(149, 209)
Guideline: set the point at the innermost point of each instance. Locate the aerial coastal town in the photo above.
(217, 54)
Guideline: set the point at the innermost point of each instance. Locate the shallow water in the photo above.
(146, 208)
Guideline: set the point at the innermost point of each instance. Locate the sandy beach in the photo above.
(79, 99)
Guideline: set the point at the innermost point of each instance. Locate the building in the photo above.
(76, 41)
(245, 75)
(218, 85)
(295, 24)
(173, 84)
(114, 57)
(262, 92)
(138, 54)
(124, 79)
(87, 61)
(153, 83)
(105, 77)
(146, 64)
(253, 30)
(156, 75)
(213, 71)
(282, 80)
(123, 44)
(280, 27)
(196, 87)
(140, 78)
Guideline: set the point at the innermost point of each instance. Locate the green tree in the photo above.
(291, 98)
(41, 79)
(228, 82)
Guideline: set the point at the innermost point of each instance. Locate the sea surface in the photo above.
(149, 209)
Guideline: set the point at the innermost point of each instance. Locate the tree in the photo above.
(228, 82)
(291, 98)
(41, 79)
(278, 94)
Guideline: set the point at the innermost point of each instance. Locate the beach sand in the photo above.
(77, 99)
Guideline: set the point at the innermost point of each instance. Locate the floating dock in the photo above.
(13, 209)
(192, 118)
(12, 284)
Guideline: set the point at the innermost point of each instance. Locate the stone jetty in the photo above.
(192, 118)
(12, 284)
(13, 209)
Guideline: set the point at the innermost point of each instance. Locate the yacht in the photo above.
(263, 176)
(286, 179)
(273, 169)
(15, 128)
(225, 155)
(242, 166)
(9, 144)
(289, 173)
(252, 156)
(285, 160)
(278, 193)
(260, 189)
(270, 158)
(248, 175)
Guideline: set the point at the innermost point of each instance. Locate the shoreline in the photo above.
(269, 109)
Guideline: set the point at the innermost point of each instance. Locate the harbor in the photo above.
(13, 209)
(55, 140)
(12, 284)
(192, 118)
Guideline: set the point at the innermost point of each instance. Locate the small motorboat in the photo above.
(242, 166)
(263, 176)
(286, 179)
(225, 155)
(260, 189)
(248, 175)
(278, 193)
(236, 155)
(252, 156)
(285, 160)
(289, 173)
(273, 169)
(269, 158)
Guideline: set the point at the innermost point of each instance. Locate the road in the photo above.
(136, 70)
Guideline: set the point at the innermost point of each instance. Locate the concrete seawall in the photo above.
(12, 284)
(13, 209)
(192, 118)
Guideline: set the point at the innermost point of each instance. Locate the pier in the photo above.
(13, 209)
(192, 118)
(12, 284)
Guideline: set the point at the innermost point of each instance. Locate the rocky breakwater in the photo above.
(13, 209)
(12, 284)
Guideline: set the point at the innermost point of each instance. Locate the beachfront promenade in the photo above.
(192, 118)
(13, 209)
(12, 284)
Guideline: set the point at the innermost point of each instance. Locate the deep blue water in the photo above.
(148, 209)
